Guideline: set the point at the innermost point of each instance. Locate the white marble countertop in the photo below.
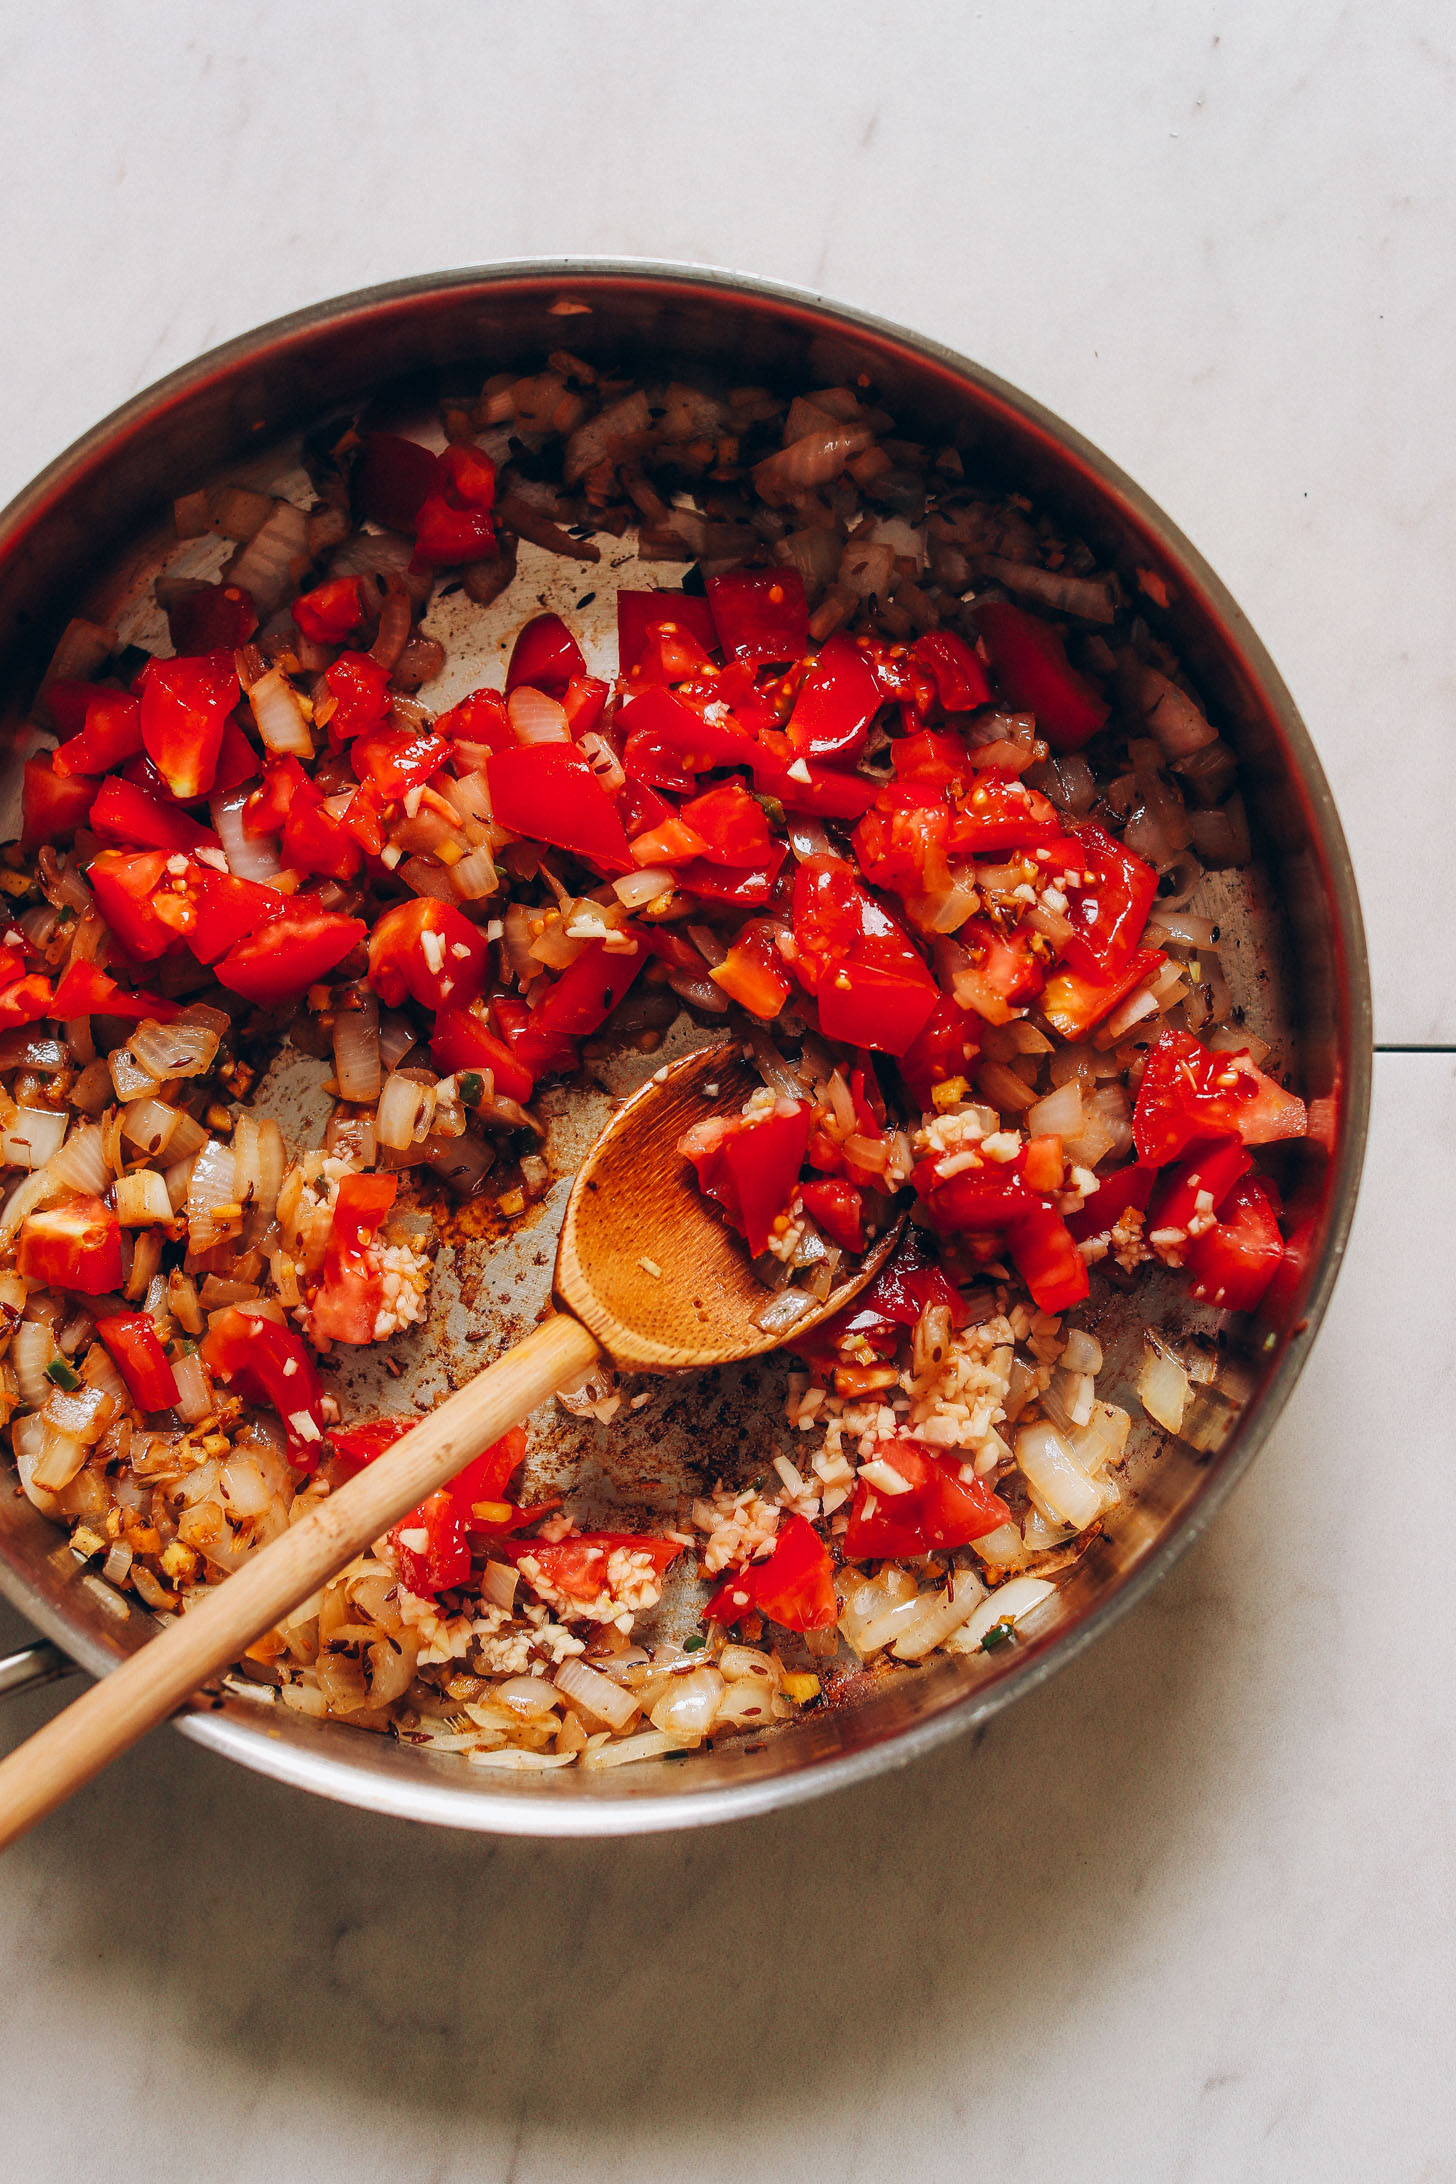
(1186, 1914)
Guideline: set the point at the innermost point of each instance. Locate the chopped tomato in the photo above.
(392, 479)
(1211, 1172)
(580, 1567)
(760, 614)
(641, 615)
(1110, 891)
(1233, 1263)
(351, 1295)
(1101, 1212)
(1047, 1259)
(136, 1348)
(1005, 972)
(945, 1047)
(583, 701)
(429, 951)
(25, 1001)
(747, 885)
(908, 1283)
(359, 688)
(671, 843)
(1073, 1002)
(837, 702)
(112, 732)
(228, 910)
(430, 1546)
(542, 1051)
(872, 987)
(315, 839)
(901, 844)
(548, 793)
(999, 813)
(795, 1586)
(73, 1245)
(281, 961)
(801, 784)
(732, 827)
(1030, 664)
(939, 1509)
(184, 704)
(581, 999)
(667, 741)
(52, 805)
(212, 618)
(837, 1208)
(126, 888)
(546, 656)
(265, 1362)
(396, 760)
(453, 522)
(752, 973)
(480, 718)
(85, 990)
(125, 812)
(954, 671)
(988, 1197)
(752, 1170)
(462, 1041)
(1190, 1091)
(330, 612)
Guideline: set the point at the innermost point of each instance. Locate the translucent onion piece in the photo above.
(150, 1125)
(686, 1710)
(210, 1184)
(535, 718)
(622, 1752)
(278, 711)
(129, 1079)
(81, 1413)
(937, 1614)
(33, 1137)
(61, 1457)
(1083, 1352)
(249, 856)
(595, 1694)
(1172, 716)
(636, 888)
(406, 1110)
(1055, 1477)
(474, 875)
(32, 1348)
(195, 1399)
(1058, 1114)
(1163, 1388)
(142, 1197)
(270, 564)
(784, 1309)
(183, 1048)
(1007, 1604)
(356, 1051)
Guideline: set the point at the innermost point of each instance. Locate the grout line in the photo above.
(1382, 1049)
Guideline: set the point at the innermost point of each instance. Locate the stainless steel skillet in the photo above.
(88, 536)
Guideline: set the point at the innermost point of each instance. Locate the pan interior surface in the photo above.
(91, 535)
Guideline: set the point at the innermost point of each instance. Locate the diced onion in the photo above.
(474, 875)
(82, 1413)
(187, 1047)
(270, 564)
(195, 1400)
(32, 1348)
(249, 856)
(1057, 1114)
(636, 888)
(1174, 719)
(1055, 1476)
(210, 1183)
(32, 1138)
(1007, 1604)
(687, 1707)
(596, 1695)
(142, 1197)
(535, 718)
(784, 1309)
(1163, 1387)
(1083, 1352)
(356, 1051)
(279, 713)
(61, 1457)
(406, 1110)
(937, 1614)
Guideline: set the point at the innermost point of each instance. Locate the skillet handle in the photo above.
(34, 1665)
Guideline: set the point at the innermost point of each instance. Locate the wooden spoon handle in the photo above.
(147, 1687)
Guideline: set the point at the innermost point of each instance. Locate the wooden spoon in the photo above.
(648, 1275)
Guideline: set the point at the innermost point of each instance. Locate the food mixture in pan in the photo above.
(898, 788)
